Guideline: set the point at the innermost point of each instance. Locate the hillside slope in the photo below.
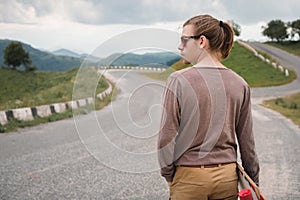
(44, 61)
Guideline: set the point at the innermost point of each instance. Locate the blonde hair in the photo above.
(220, 34)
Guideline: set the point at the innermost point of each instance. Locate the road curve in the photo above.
(110, 154)
(287, 60)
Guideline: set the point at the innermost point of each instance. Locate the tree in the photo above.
(15, 56)
(236, 28)
(295, 25)
(276, 29)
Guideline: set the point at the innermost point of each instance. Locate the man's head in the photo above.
(205, 33)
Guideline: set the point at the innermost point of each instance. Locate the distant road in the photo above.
(51, 161)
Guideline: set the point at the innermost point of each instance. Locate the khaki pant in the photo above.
(205, 183)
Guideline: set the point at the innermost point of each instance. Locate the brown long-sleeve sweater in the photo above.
(205, 110)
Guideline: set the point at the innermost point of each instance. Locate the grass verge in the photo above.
(27, 89)
(289, 106)
(14, 124)
(21, 89)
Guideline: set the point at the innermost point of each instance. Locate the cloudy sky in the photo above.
(82, 25)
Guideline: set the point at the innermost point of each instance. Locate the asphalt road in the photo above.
(110, 154)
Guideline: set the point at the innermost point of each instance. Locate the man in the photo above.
(206, 107)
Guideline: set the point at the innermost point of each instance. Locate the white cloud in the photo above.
(82, 25)
(82, 38)
(16, 12)
(108, 12)
(145, 11)
(85, 12)
(253, 32)
(249, 12)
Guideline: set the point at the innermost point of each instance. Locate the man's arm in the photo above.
(169, 128)
(244, 130)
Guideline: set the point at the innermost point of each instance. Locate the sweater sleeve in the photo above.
(170, 121)
(244, 130)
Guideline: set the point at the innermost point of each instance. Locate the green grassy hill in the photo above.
(253, 70)
(24, 89)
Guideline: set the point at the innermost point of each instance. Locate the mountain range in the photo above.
(66, 52)
(159, 59)
(64, 59)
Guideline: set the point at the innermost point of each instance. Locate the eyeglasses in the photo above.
(185, 39)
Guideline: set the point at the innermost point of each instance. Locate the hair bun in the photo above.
(221, 23)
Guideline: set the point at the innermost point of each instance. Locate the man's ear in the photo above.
(202, 41)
